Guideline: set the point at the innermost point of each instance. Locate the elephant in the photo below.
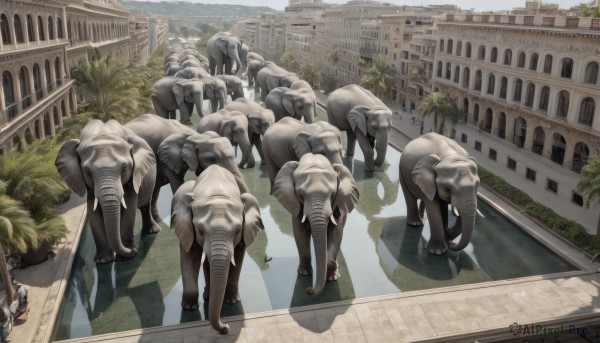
(171, 93)
(240, 69)
(192, 73)
(439, 172)
(223, 49)
(232, 125)
(253, 56)
(364, 118)
(214, 223)
(254, 66)
(259, 120)
(194, 63)
(281, 80)
(117, 170)
(313, 189)
(215, 90)
(269, 68)
(299, 138)
(235, 86)
(296, 103)
(172, 68)
(301, 84)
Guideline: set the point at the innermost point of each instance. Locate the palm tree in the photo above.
(439, 105)
(379, 79)
(6, 279)
(310, 73)
(589, 184)
(16, 225)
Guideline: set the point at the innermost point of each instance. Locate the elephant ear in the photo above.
(252, 220)
(284, 190)
(222, 44)
(143, 160)
(68, 166)
(178, 91)
(189, 154)
(254, 121)
(181, 217)
(357, 117)
(423, 175)
(301, 144)
(169, 151)
(288, 105)
(226, 129)
(347, 194)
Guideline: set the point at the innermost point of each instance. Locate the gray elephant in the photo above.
(439, 172)
(215, 90)
(192, 73)
(253, 56)
(235, 86)
(193, 62)
(295, 103)
(172, 68)
(254, 67)
(301, 84)
(172, 93)
(315, 190)
(214, 223)
(364, 118)
(223, 50)
(117, 170)
(259, 120)
(281, 80)
(269, 68)
(232, 125)
(300, 138)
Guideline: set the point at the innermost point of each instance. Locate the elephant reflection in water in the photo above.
(371, 201)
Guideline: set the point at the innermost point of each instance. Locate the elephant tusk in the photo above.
(303, 218)
(480, 214)
(232, 260)
(332, 219)
(123, 203)
(455, 211)
(202, 258)
(95, 204)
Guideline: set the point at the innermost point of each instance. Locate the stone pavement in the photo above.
(481, 312)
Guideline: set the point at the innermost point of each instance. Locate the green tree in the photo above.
(441, 108)
(589, 184)
(310, 73)
(419, 75)
(16, 226)
(288, 61)
(379, 79)
(202, 42)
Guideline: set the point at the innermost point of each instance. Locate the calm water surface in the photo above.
(380, 255)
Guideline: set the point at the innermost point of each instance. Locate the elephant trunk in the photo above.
(244, 141)
(467, 209)
(318, 217)
(110, 194)
(238, 63)
(381, 144)
(198, 101)
(222, 102)
(220, 251)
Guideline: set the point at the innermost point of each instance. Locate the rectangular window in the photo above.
(577, 199)
(511, 164)
(493, 154)
(530, 174)
(552, 186)
(478, 145)
(463, 138)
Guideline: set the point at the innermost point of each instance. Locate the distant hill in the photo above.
(188, 9)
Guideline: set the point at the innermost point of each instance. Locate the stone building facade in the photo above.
(39, 42)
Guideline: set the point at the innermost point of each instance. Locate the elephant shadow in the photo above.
(376, 190)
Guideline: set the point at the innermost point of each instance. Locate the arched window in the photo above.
(530, 93)
(520, 132)
(57, 71)
(494, 55)
(41, 35)
(521, 60)
(558, 149)
(458, 48)
(47, 125)
(441, 45)
(507, 57)
(439, 69)
(37, 82)
(567, 68)
(50, 28)
(533, 63)
(466, 77)
(586, 112)
(25, 87)
(448, 70)
(539, 136)
(450, 43)
(544, 97)
(69, 31)
(456, 74)
(580, 156)
(591, 73)
(491, 84)
(503, 85)
(9, 91)
(59, 28)
(481, 53)
(478, 80)
(18, 29)
(562, 107)
(30, 30)
(518, 90)
(48, 77)
(548, 64)
(468, 50)
(489, 118)
(475, 114)
(502, 125)
(79, 32)
(5, 29)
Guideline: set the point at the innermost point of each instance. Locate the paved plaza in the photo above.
(476, 312)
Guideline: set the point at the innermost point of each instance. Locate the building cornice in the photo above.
(520, 29)
(20, 53)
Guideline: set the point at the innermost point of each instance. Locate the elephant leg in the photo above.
(158, 107)
(251, 162)
(455, 230)
(363, 141)
(334, 241)
(214, 105)
(258, 144)
(154, 204)
(437, 243)
(172, 115)
(104, 253)
(232, 294)
(272, 169)
(302, 238)
(149, 225)
(351, 143)
(413, 217)
(190, 269)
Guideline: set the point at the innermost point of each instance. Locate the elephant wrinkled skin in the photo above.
(224, 49)
(439, 172)
(295, 103)
(172, 93)
(214, 223)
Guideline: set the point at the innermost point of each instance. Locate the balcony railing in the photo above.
(10, 112)
(39, 94)
(26, 102)
(14, 109)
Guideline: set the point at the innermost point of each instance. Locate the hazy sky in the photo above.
(477, 5)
